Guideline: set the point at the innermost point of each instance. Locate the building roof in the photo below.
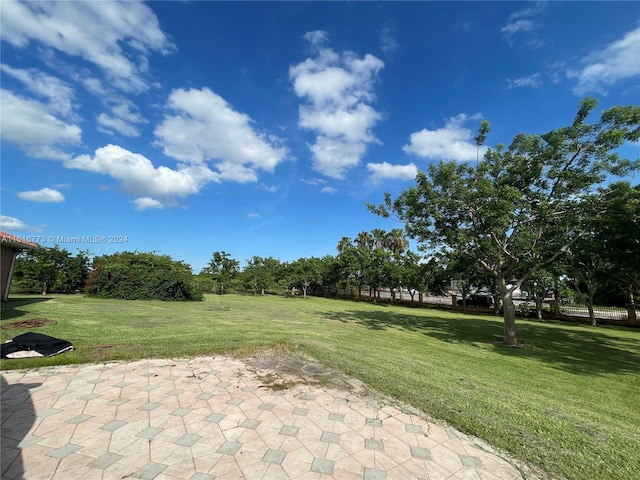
(12, 241)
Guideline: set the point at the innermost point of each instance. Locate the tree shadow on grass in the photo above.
(571, 348)
(8, 308)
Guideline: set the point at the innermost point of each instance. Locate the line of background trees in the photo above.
(600, 269)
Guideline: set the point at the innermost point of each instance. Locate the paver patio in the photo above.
(214, 418)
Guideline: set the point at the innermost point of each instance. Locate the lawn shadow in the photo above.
(8, 307)
(571, 348)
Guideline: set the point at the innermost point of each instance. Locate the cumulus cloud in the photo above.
(602, 68)
(328, 190)
(12, 223)
(202, 127)
(452, 142)
(337, 89)
(387, 171)
(146, 202)
(31, 125)
(117, 36)
(45, 195)
(141, 178)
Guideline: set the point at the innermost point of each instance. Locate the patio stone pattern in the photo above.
(212, 418)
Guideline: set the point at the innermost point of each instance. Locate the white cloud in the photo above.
(524, 22)
(533, 81)
(58, 93)
(388, 43)
(337, 89)
(47, 195)
(46, 151)
(314, 181)
(253, 215)
(387, 171)
(116, 36)
(328, 190)
(453, 142)
(30, 124)
(205, 128)
(123, 119)
(107, 124)
(12, 223)
(316, 38)
(141, 178)
(333, 156)
(618, 60)
(517, 26)
(145, 202)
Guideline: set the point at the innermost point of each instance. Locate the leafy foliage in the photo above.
(141, 276)
(47, 269)
(222, 270)
(511, 213)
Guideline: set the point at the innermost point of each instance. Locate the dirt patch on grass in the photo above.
(111, 351)
(31, 323)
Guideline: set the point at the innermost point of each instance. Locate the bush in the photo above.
(141, 276)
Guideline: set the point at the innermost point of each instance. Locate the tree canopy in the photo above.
(511, 213)
(141, 276)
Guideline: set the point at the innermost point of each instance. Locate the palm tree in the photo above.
(364, 240)
(344, 244)
(397, 242)
(379, 238)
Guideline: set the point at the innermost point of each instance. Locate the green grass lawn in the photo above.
(568, 401)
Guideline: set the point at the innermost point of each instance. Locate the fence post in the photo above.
(631, 316)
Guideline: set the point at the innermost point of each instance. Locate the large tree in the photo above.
(510, 213)
(51, 269)
(306, 272)
(619, 234)
(223, 269)
(141, 276)
(262, 273)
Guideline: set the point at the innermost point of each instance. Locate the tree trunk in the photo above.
(592, 316)
(509, 322)
(496, 304)
(509, 309)
(539, 306)
(44, 288)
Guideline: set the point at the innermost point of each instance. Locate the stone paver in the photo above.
(212, 418)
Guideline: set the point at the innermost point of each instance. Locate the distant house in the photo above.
(11, 246)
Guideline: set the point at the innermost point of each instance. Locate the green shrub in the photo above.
(141, 276)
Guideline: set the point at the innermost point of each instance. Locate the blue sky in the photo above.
(264, 128)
